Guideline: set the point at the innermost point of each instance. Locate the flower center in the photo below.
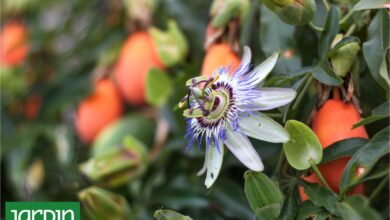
(219, 104)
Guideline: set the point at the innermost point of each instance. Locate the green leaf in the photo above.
(158, 87)
(344, 148)
(365, 159)
(374, 50)
(290, 206)
(380, 112)
(112, 136)
(307, 209)
(357, 207)
(268, 212)
(370, 4)
(260, 190)
(170, 215)
(276, 35)
(324, 73)
(320, 196)
(230, 197)
(327, 35)
(302, 147)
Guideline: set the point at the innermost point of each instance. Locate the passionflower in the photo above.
(223, 110)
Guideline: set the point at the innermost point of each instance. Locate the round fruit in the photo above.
(312, 178)
(13, 44)
(137, 56)
(333, 122)
(219, 55)
(98, 110)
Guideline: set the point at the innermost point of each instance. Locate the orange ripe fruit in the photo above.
(333, 122)
(138, 55)
(13, 44)
(312, 178)
(101, 108)
(219, 55)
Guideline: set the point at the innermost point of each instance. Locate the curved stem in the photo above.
(303, 92)
(319, 175)
(350, 30)
(326, 4)
(336, 94)
(314, 27)
(346, 17)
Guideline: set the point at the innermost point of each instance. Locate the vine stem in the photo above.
(326, 4)
(379, 188)
(314, 27)
(346, 17)
(303, 91)
(318, 173)
(350, 30)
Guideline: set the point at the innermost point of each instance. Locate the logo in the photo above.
(42, 211)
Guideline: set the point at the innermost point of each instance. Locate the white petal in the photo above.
(246, 57)
(262, 127)
(262, 70)
(213, 162)
(242, 148)
(270, 98)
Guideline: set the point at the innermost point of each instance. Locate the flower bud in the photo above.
(343, 54)
(170, 215)
(295, 12)
(102, 204)
(118, 166)
(171, 44)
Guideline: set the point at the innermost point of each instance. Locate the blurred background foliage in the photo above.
(137, 163)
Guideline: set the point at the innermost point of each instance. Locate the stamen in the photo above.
(205, 111)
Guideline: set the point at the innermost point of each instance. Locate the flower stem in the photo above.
(325, 2)
(318, 173)
(379, 188)
(350, 30)
(346, 17)
(314, 27)
(303, 91)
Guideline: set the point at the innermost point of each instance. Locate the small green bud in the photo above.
(295, 12)
(172, 45)
(170, 215)
(102, 204)
(343, 55)
(261, 191)
(119, 165)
